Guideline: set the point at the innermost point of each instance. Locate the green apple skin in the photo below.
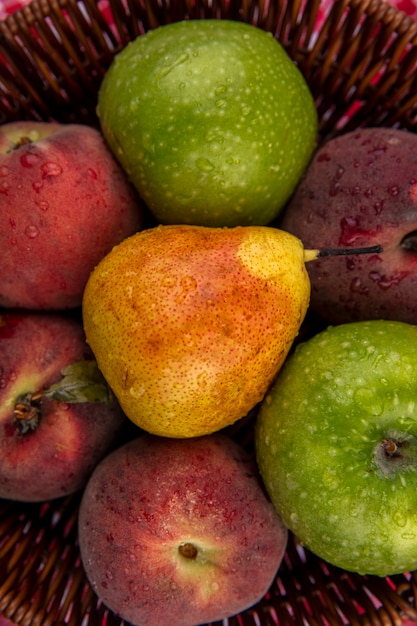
(212, 121)
(336, 445)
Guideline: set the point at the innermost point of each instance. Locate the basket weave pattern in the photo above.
(361, 68)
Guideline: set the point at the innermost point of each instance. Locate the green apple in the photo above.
(212, 121)
(336, 445)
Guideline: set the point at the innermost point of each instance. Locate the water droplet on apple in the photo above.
(400, 518)
(37, 186)
(368, 399)
(3, 383)
(294, 518)
(31, 231)
(166, 70)
(204, 165)
(4, 170)
(408, 536)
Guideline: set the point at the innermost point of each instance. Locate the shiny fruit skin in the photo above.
(189, 325)
(212, 121)
(323, 440)
(64, 203)
(359, 190)
(179, 532)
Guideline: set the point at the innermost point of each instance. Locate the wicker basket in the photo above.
(361, 67)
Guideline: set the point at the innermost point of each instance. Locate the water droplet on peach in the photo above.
(394, 190)
(31, 231)
(51, 169)
(29, 159)
(4, 187)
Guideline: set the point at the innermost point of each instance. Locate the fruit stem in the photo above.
(27, 413)
(390, 447)
(188, 551)
(311, 255)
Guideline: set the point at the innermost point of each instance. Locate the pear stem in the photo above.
(311, 255)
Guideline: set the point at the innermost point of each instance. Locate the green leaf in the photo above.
(81, 381)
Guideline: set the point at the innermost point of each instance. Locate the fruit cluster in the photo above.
(155, 275)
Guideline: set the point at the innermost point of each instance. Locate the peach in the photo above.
(49, 447)
(361, 190)
(64, 203)
(176, 532)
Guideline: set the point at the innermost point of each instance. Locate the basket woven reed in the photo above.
(361, 67)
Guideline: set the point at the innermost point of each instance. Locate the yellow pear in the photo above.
(190, 324)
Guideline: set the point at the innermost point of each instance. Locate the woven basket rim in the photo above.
(41, 577)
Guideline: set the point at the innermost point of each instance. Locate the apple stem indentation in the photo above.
(188, 551)
(27, 412)
(391, 447)
(311, 255)
(395, 453)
